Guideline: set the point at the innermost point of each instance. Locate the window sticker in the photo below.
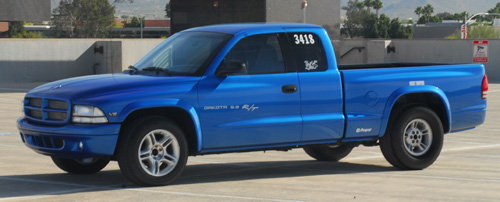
(313, 65)
(304, 39)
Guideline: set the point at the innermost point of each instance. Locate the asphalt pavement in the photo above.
(467, 170)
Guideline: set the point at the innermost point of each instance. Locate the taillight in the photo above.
(485, 87)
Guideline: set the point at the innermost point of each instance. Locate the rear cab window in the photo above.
(307, 52)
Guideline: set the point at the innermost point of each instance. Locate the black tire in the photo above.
(163, 147)
(81, 166)
(329, 153)
(415, 140)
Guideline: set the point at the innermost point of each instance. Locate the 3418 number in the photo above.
(304, 39)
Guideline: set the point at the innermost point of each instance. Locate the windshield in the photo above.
(186, 53)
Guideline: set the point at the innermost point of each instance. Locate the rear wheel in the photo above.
(415, 141)
(153, 152)
(81, 166)
(329, 152)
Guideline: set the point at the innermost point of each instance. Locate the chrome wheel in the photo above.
(417, 137)
(159, 152)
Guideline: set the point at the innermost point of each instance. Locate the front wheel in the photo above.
(81, 166)
(153, 152)
(415, 141)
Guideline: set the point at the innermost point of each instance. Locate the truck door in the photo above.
(255, 107)
(320, 86)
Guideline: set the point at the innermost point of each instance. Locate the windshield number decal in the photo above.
(304, 39)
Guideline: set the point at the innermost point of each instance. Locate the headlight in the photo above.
(88, 114)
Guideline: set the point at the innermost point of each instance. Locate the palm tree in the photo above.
(377, 5)
(419, 11)
(360, 5)
(428, 10)
(368, 4)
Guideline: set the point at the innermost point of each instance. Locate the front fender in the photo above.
(157, 103)
(394, 97)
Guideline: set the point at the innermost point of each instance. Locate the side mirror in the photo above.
(231, 67)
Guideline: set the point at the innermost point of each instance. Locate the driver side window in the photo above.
(260, 54)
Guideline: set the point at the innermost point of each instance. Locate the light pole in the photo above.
(135, 13)
(304, 6)
(464, 26)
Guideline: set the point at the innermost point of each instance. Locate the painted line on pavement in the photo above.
(471, 148)
(113, 187)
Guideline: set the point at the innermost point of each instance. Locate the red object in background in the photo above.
(304, 4)
(216, 3)
(480, 51)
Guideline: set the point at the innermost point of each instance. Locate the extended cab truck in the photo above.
(247, 87)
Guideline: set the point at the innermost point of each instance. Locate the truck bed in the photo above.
(371, 89)
(387, 65)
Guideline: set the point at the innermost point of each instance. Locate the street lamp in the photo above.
(304, 6)
(135, 13)
(466, 22)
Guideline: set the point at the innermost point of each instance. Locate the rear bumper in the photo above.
(70, 141)
(468, 119)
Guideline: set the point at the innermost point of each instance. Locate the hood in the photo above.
(80, 87)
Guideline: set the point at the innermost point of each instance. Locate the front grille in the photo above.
(45, 110)
(35, 102)
(44, 142)
(56, 104)
(35, 113)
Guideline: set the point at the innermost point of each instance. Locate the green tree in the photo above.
(135, 22)
(26, 34)
(368, 4)
(360, 5)
(377, 5)
(419, 11)
(15, 27)
(496, 9)
(121, 1)
(361, 23)
(399, 31)
(384, 24)
(445, 16)
(168, 12)
(83, 18)
(427, 11)
(355, 16)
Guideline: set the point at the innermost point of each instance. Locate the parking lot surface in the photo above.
(467, 170)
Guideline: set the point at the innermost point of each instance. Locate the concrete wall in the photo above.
(43, 60)
(419, 51)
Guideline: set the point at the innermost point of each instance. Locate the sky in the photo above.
(402, 9)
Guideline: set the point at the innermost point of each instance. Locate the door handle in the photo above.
(289, 88)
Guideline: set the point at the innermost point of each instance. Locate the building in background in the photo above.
(4, 29)
(22, 10)
(193, 13)
(436, 30)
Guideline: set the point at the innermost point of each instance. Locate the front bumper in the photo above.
(70, 141)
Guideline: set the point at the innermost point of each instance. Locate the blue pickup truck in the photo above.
(249, 87)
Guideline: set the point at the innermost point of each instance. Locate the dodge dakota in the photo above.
(249, 87)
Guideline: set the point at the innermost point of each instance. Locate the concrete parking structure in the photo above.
(467, 170)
